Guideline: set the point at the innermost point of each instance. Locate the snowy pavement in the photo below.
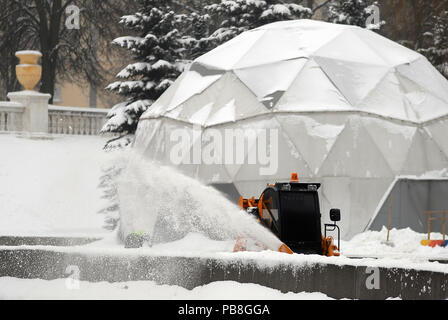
(49, 186)
(66, 289)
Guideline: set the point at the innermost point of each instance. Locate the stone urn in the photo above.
(28, 71)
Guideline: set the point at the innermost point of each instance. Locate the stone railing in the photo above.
(11, 116)
(76, 121)
(61, 120)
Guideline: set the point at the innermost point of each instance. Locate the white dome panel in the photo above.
(268, 79)
(226, 56)
(392, 52)
(354, 80)
(349, 47)
(312, 90)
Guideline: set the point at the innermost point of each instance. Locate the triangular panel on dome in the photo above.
(161, 105)
(427, 106)
(192, 84)
(422, 103)
(391, 52)
(438, 132)
(355, 154)
(366, 194)
(144, 141)
(386, 99)
(183, 146)
(173, 114)
(227, 146)
(281, 156)
(234, 91)
(312, 90)
(313, 139)
(423, 73)
(156, 140)
(276, 46)
(227, 93)
(224, 114)
(354, 80)
(392, 139)
(265, 80)
(424, 156)
(298, 39)
(226, 56)
(349, 47)
(201, 116)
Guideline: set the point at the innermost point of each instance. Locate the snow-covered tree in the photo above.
(108, 185)
(157, 51)
(237, 16)
(361, 13)
(436, 43)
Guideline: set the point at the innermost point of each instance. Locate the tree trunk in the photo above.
(50, 24)
(48, 74)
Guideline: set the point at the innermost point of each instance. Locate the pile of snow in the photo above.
(193, 244)
(11, 288)
(49, 186)
(402, 243)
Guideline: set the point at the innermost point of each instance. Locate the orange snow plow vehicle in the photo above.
(291, 211)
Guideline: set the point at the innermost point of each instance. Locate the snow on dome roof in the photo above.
(302, 66)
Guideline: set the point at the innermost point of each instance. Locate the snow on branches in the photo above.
(355, 12)
(238, 16)
(436, 43)
(156, 51)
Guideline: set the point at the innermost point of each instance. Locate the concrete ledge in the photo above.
(45, 241)
(335, 281)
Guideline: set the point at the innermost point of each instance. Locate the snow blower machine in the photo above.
(291, 211)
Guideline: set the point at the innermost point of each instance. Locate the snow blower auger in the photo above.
(291, 211)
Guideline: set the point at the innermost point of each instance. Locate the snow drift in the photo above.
(49, 186)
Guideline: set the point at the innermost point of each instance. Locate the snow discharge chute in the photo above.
(166, 206)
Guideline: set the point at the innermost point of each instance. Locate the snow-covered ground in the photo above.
(62, 289)
(49, 187)
(403, 243)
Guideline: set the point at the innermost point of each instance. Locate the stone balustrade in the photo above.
(61, 120)
(11, 116)
(76, 121)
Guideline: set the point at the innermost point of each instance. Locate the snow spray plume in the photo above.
(167, 206)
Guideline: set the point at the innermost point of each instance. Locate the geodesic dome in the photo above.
(354, 111)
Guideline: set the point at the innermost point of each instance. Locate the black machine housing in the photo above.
(292, 212)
